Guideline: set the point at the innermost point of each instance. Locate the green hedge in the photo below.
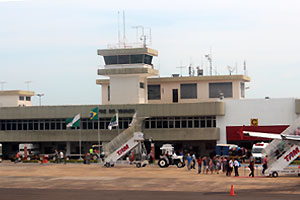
(31, 161)
(296, 162)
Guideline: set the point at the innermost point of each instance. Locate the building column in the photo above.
(68, 148)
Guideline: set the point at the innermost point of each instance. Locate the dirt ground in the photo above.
(79, 177)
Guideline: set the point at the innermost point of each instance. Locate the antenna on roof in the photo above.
(230, 69)
(181, 67)
(245, 69)
(27, 82)
(119, 34)
(124, 28)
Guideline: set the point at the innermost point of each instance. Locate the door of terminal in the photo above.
(175, 95)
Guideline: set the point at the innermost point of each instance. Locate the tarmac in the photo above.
(77, 181)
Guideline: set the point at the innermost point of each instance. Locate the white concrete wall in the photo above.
(9, 101)
(125, 90)
(268, 112)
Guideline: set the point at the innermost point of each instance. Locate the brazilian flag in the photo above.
(94, 114)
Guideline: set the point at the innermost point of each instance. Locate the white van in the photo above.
(32, 149)
(257, 151)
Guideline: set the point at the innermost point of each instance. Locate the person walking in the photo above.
(61, 156)
(236, 165)
(230, 167)
(265, 164)
(193, 161)
(189, 161)
(251, 165)
(199, 161)
(87, 158)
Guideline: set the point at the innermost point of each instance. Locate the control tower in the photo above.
(128, 69)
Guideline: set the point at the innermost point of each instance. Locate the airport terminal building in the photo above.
(193, 113)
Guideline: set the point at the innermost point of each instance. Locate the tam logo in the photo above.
(123, 149)
(292, 154)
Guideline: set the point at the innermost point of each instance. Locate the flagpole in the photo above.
(80, 143)
(99, 135)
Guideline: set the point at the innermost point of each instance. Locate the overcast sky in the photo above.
(54, 43)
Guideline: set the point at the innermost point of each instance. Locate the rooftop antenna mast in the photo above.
(245, 69)
(119, 33)
(27, 82)
(181, 67)
(124, 29)
(209, 58)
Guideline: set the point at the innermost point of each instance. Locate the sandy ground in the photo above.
(130, 178)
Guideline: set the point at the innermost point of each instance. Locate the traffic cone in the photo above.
(232, 191)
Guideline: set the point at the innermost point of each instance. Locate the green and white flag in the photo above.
(94, 114)
(114, 121)
(73, 122)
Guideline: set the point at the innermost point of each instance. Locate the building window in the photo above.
(21, 98)
(148, 59)
(28, 99)
(242, 90)
(180, 122)
(153, 92)
(124, 59)
(108, 93)
(219, 90)
(136, 58)
(142, 85)
(111, 60)
(188, 91)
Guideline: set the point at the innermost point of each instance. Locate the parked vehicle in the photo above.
(30, 149)
(169, 157)
(257, 151)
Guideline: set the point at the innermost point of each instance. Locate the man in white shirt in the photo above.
(236, 167)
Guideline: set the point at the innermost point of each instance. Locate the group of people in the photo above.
(59, 157)
(216, 164)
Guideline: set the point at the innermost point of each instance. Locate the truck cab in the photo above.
(257, 151)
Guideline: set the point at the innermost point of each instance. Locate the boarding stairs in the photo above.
(281, 153)
(123, 143)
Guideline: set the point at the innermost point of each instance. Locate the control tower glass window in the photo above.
(188, 91)
(148, 59)
(123, 59)
(218, 90)
(136, 58)
(111, 60)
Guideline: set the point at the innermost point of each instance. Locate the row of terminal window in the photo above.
(189, 90)
(151, 123)
(128, 59)
(23, 98)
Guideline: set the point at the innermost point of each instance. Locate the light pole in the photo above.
(40, 96)
(27, 82)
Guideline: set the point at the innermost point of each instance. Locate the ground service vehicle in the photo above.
(30, 150)
(257, 151)
(283, 150)
(169, 157)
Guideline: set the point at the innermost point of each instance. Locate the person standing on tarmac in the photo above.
(199, 161)
(189, 161)
(251, 165)
(236, 165)
(265, 164)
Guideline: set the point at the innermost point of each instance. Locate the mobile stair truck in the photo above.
(125, 142)
(283, 152)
